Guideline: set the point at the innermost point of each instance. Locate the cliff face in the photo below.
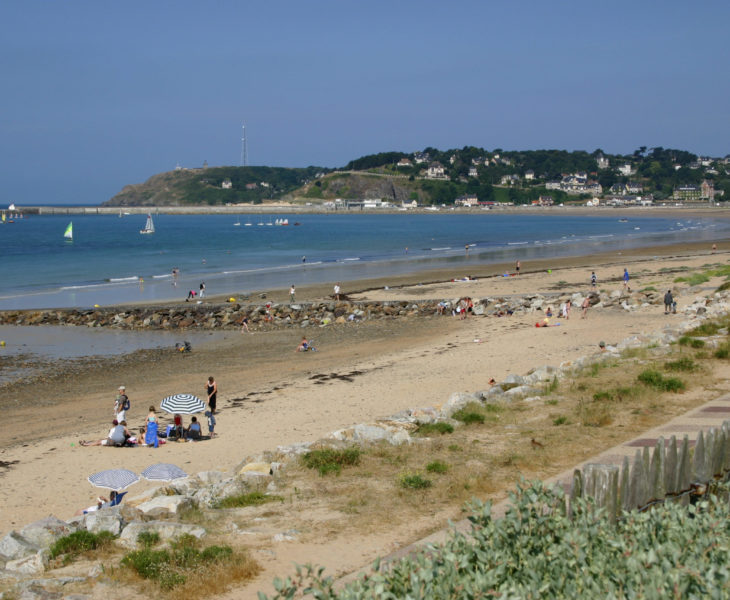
(164, 189)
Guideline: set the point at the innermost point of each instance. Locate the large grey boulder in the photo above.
(46, 531)
(29, 565)
(107, 519)
(165, 506)
(14, 546)
(167, 530)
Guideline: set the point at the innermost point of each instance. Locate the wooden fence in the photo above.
(671, 472)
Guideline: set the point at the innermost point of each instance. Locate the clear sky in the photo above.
(96, 94)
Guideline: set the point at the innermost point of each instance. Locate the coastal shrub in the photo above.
(686, 340)
(705, 329)
(250, 499)
(414, 481)
(432, 428)
(551, 387)
(78, 543)
(184, 562)
(331, 460)
(693, 279)
(148, 538)
(602, 396)
(437, 467)
(534, 551)
(454, 448)
(684, 363)
(654, 379)
(561, 420)
(723, 287)
(723, 351)
(469, 416)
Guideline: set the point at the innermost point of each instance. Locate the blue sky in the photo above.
(96, 95)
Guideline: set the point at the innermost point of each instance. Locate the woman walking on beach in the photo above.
(212, 388)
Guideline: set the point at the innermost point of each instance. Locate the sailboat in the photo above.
(237, 223)
(69, 233)
(149, 227)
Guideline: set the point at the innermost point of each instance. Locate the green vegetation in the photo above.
(561, 420)
(78, 543)
(686, 340)
(171, 568)
(694, 279)
(656, 380)
(535, 551)
(437, 467)
(414, 481)
(685, 363)
(148, 538)
(469, 415)
(330, 460)
(433, 428)
(250, 499)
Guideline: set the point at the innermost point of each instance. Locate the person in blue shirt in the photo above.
(193, 430)
(626, 279)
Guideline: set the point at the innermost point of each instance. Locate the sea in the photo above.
(109, 262)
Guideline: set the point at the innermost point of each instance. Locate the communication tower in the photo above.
(244, 151)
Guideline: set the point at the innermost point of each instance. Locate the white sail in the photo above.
(69, 233)
(149, 226)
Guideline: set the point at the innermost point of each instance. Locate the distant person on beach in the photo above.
(303, 345)
(202, 289)
(118, 435)
(337, 291)
(193, 431)
(714, 248)
(151, 427)
(668, 302)
(517, 267)
(212, 389)
(304, 259)
(626, 280)
(121, 404)
(244, 325)
(191, 294)
(593, 279)
(466, 249)
(292, 292)
(211, 423)
(100, 502)
(584, 307)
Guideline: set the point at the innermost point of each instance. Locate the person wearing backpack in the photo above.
(121, 404)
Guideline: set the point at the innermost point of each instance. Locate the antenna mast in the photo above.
(244, 156)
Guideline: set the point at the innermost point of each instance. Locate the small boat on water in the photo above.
(623, 220)
(149, 226)
(69, 233)
(281, 222)
(237, 223)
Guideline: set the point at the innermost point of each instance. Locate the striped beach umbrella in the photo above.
(163, 472)
(114, 479)
(183, 404)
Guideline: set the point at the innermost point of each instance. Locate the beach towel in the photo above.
(150, 436)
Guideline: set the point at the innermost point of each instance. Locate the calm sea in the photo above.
(109, 261)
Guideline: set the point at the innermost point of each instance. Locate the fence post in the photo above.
(699, 469)
(656, 475)
(638, 494)
(601, 483)
(576, 491)
(670, 467)
(624, 489)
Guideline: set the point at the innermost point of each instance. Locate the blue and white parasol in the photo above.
(183, 404)
(114, 479)
(163, 472)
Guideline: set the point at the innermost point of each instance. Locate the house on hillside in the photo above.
(226, 185)
(603, 162)
(467, 200)
(509, 180)
(473, 172)
(436, 171)
(626, 170)
(420, 157)
(634, 188)
(687, 193)
(529, 175)
(404, 162)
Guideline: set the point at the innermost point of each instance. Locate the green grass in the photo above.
(433, 428)
(684, 363)
(414, 481)
(330, 460)
(707, 328)
(656, 380)
(468, 416)
(686, 340)
(723, 351)
(602, 396)
(170, 568)
(437, 467)
(78, 543)
(250, 499)
(693, 279)
(561, 420)
(148, 538)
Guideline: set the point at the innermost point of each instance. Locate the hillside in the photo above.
(442, 177)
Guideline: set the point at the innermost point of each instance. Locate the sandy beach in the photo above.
(269, 395)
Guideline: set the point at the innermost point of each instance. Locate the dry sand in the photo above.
(267, 395)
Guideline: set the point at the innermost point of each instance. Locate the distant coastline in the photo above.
(288, 208)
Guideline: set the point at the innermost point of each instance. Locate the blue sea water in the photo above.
(109, 262)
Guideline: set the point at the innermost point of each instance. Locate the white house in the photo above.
(226, 185)
(473, 172)
(529, 175)
(603, 162)
(435, 171)
(404, 162)
(626, 170)
(467, 200)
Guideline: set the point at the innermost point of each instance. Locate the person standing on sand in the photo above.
(304, 259)
(584, 306)
(244, 325)
(668, 302)
(517, 267)
(121, 404)
(593, 279)
(212, 388)
(626, 279)
(202, 290)
(337, 291)
(292, 291)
